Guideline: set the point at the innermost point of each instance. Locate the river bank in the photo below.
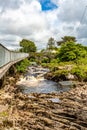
(38, 111)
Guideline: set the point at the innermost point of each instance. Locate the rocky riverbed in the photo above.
(36, 111)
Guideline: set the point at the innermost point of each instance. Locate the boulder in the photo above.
(70, 76)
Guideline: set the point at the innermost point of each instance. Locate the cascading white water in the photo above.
(34, 81)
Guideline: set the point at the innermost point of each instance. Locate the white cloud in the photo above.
(55, 1)
(72, 14)
(25, 19)
(71, 10)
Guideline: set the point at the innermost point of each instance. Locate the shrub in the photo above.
(45, 60)
(80, 72)
(81, 61)
(54, 60)
(60, 74)
(46, 65)
(23, 65)
(71, 51)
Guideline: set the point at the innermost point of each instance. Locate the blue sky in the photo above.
(38, 20)
(47, 5)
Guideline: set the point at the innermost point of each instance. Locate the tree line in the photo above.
(67, 49)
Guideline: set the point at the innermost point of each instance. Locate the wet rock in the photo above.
(66, 83)
(70, 77)
(37, 112)
(55, 100)
(48, 76)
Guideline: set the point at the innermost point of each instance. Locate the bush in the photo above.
(23, 65)
(45, 60)
(54, 60)
(60, 75)
(81, 61)
(71, 51)
(80, 72)
(45, 65)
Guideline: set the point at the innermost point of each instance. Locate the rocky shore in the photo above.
(43, 111)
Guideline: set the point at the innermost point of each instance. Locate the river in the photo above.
(34, 82)
(39, 108)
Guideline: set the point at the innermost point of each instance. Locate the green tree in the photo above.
(27, 46)
(66, 39)
(51, 43)
(71, 51)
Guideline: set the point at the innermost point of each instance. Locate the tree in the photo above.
(51, 43)
(71, 51)
(27, 46)
(66, 39)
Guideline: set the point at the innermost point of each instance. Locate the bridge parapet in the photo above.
(7, 56)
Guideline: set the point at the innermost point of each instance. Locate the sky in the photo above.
(38, 20)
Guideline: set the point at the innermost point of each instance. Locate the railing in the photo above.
(7, 56)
